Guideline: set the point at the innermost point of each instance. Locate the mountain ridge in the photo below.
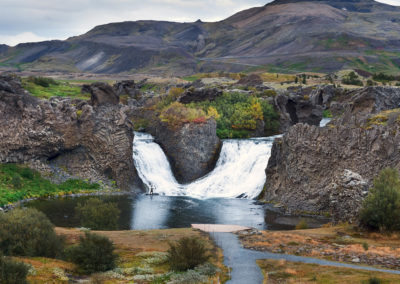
(292, 35)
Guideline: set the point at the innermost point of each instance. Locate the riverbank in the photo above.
(20, 184)
(141, 258)
(340, 243)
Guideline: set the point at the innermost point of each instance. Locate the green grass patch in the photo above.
(46, 88)
(19, 182)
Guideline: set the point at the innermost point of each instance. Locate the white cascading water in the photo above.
(240, 170)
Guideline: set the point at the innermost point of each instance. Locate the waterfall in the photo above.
(240, 169)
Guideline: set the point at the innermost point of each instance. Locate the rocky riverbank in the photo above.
(329, 170)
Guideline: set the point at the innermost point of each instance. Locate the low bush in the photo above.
(374, 281)
(187, 253)
(176, 114)
(12, 272)
(42, 81)
(98, 215)
(28, 232)
(94, 253)
(302, 225)
(381, 208)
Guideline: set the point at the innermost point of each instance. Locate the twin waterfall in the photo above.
(240, 170)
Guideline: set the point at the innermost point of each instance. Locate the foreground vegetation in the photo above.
(46, 88)
(280, 271)
(63, 255)
(18, 182)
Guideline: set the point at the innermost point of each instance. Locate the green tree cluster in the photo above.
(381, 209)
(239, 114)
(352, 79)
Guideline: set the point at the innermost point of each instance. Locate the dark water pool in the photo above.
(142, 212)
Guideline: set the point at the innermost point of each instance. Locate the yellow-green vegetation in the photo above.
(234, 76)
(302, 225)
(18, 182)
(46, 88)
(277, 77)
(176, 114)
(383, 117)
(238, 114)
(142, 258)
(280, 271)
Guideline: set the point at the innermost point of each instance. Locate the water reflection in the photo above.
(143, 212)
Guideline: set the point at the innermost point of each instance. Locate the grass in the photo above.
(382, 118)
(60, 89)
(280, 271)
(141, 255)
(19, 182)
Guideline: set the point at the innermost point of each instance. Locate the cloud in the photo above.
(33, 20)
(13, 40)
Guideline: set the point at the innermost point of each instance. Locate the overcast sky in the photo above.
(37, 20)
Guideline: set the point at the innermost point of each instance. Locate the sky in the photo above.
(38, 20)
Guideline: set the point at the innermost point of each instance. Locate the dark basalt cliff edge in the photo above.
(330, 169)
(85, 141)
(192, 149)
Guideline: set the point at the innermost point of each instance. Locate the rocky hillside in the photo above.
(62, 137)
(293, 35)
(330, 169)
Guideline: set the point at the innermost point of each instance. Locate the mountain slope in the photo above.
(291, 35)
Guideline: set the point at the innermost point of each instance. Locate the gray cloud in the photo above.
(34, 20)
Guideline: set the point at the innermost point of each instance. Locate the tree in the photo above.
(381, 209)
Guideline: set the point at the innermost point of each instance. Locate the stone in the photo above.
(192, 95)
(102, 94)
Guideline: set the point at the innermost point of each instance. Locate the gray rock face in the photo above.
(129, 88)
(192, 149)
(198, 95)
(102, 94)
(92, 143)
(305, 171)
(296, 106)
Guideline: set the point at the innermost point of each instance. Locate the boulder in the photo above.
(192, 148)
(193, 95)
(252, 80)
(102, 94)
(128, 88)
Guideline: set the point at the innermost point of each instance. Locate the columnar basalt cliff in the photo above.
(90, 142)
(330, 169)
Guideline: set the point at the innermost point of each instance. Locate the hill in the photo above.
(285, 35)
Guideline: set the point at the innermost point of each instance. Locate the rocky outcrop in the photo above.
(193, 95)
(192, 148)
(101, 94)
(296, 106)
(128, 88)
(88, 142)
(252, 80)
(306, 168)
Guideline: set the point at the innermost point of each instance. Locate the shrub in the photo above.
(374, 281)
(12, 272)
(177, 114)
(381, 208)
(302, 225)
(98, 215)
(189, 277)
(352, 79)
(28, 232)
(94, 253)
(365, 246)
(42, 81)
(187, 253)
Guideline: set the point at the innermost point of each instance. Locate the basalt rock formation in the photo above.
(330, 169)
(192, 148)
(87, 141)
(192, 95)
(296, 106)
